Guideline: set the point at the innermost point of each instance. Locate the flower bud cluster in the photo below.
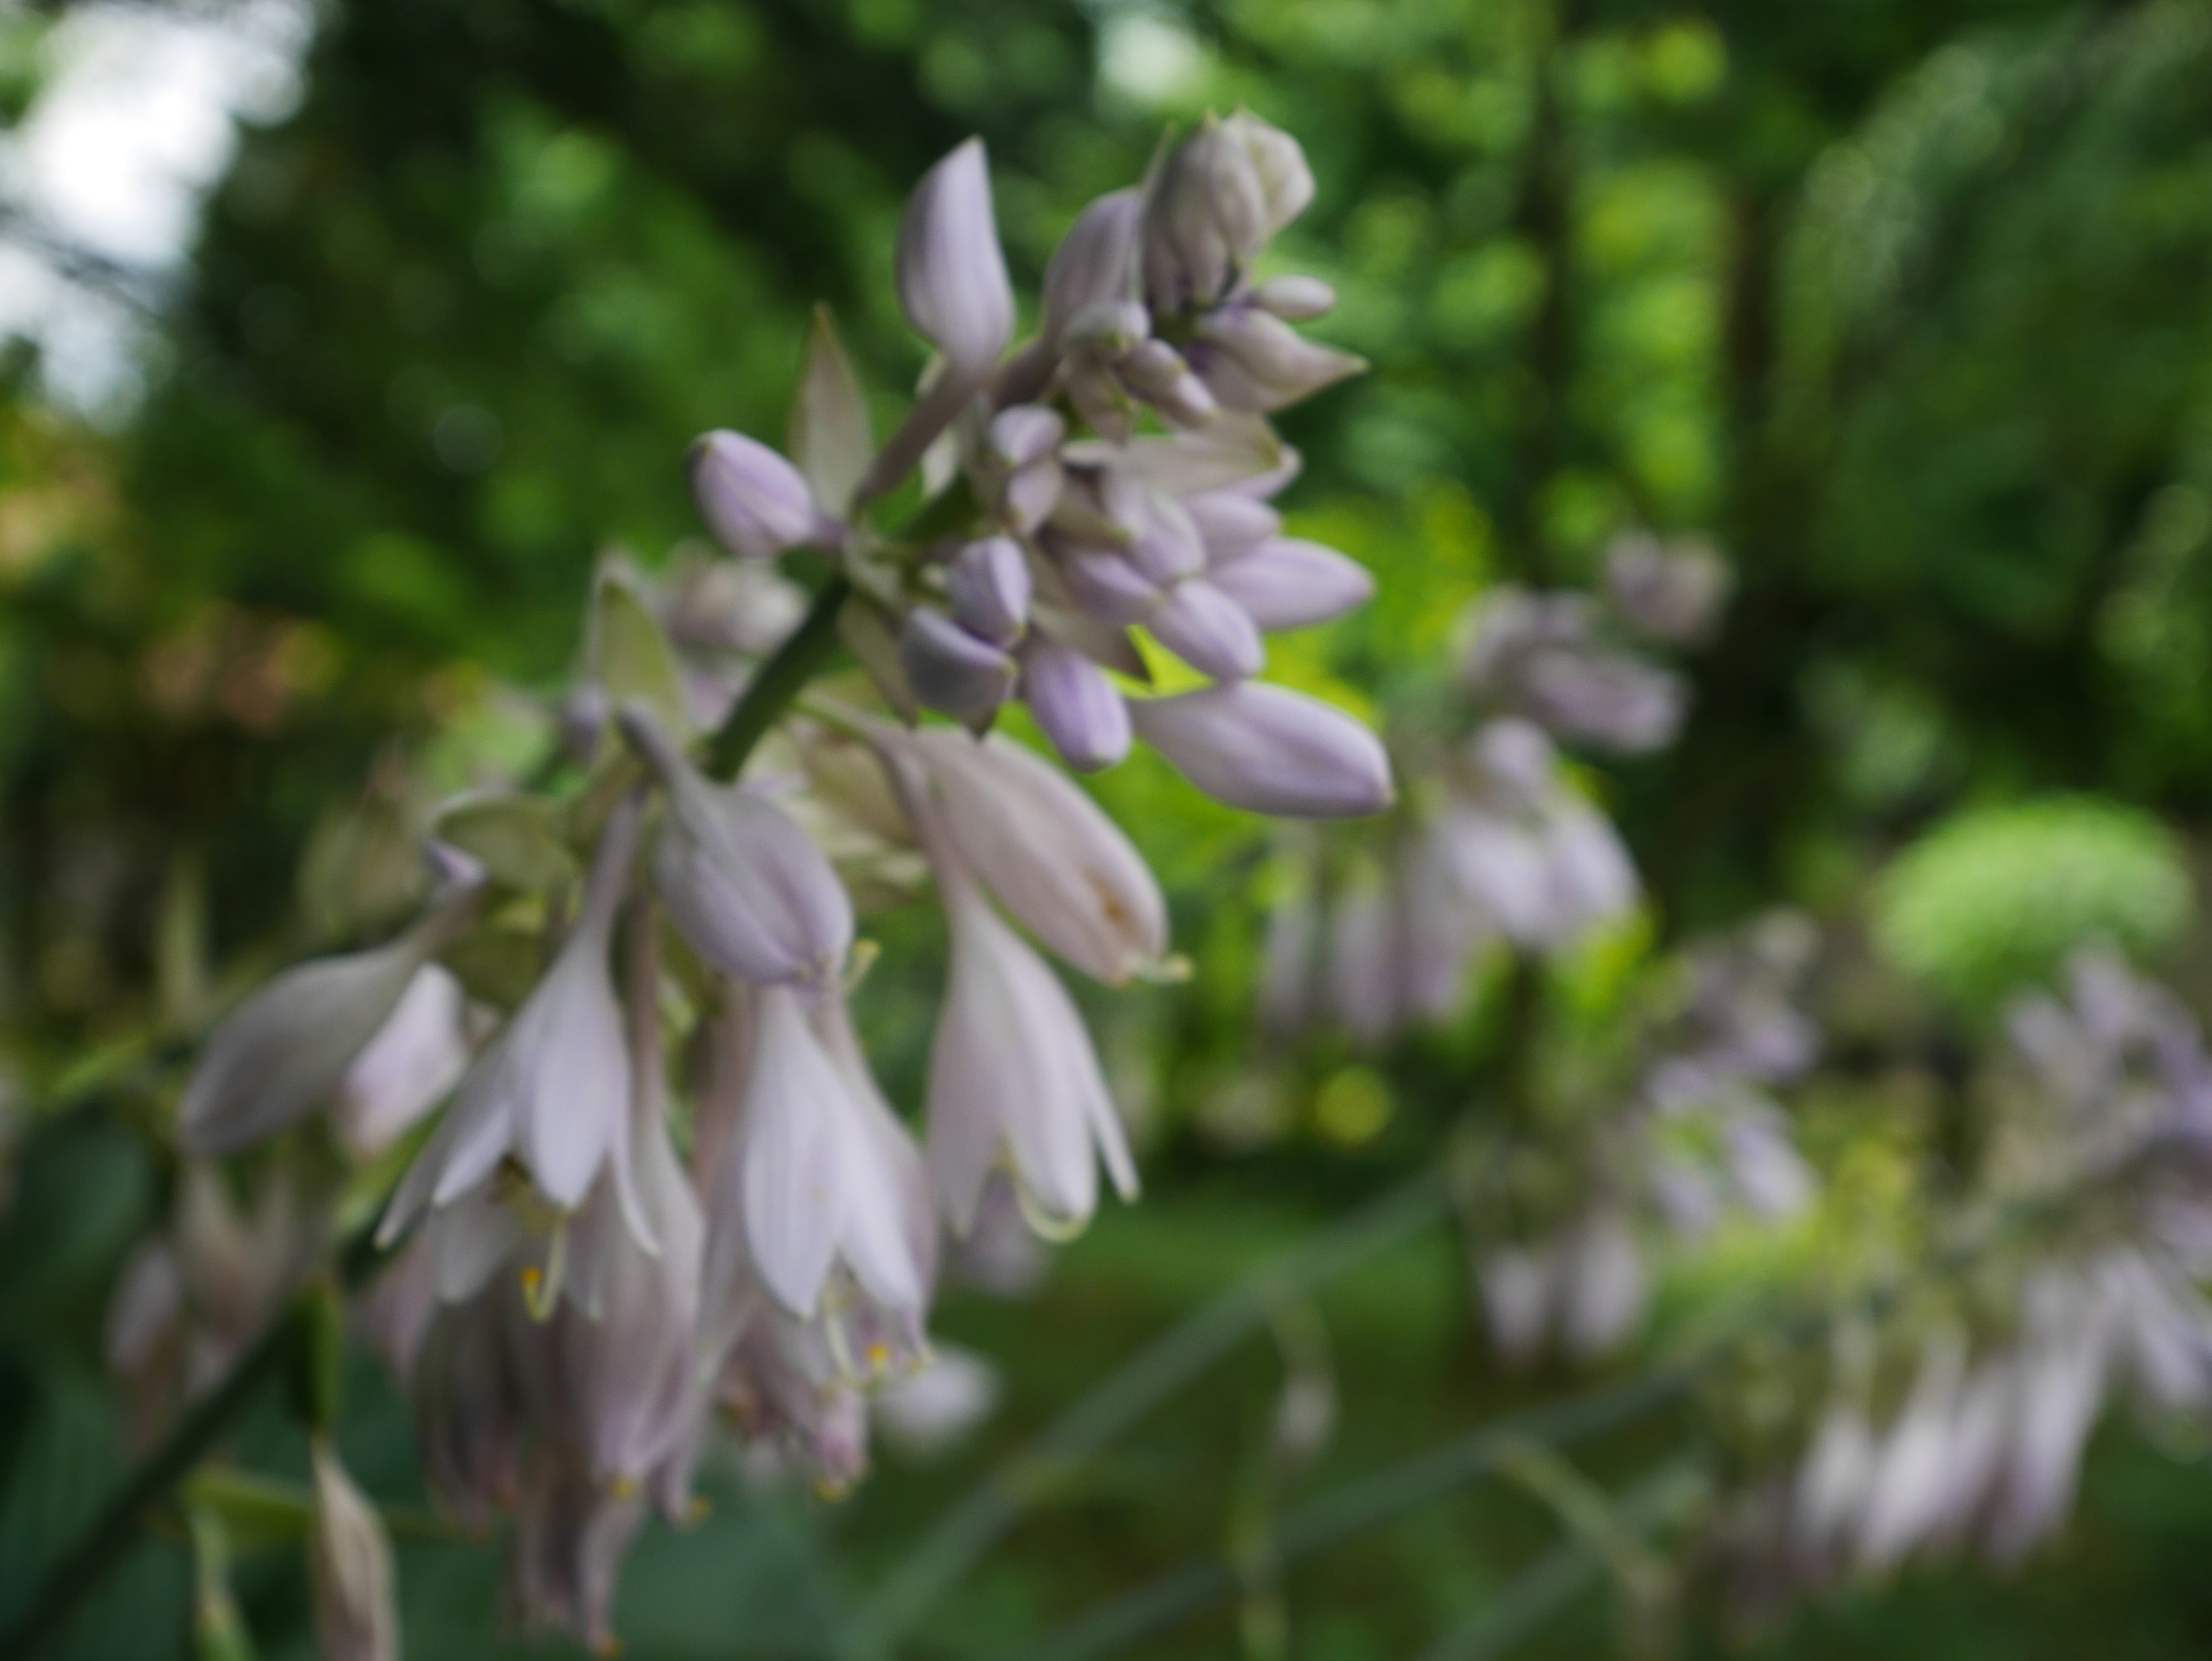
(576, 1305)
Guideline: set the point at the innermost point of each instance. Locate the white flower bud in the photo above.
(1269, 751)
(756, 502)
(951, 276)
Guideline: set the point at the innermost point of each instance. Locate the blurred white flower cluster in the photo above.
(662, 1180)
(1955, 1418)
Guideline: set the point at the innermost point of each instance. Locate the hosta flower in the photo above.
(406, 1070)
(756, 502)
(817, 1182)
(288, 1049)
(1045, 851)
(1218, 200)
(951, 276)
(551, 1093)
(1076, 706)
(745, 886)
(1269, 750)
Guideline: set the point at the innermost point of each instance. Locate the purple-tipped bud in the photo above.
(951, 276)
(949, 669)
(989, 585)
(1208, 630)
(1269, 751)
(1096, 262)
(1074, 703)
(756, 502)
(1290, 583)
(1231, 523)
(1295, 299)
(1257, 362)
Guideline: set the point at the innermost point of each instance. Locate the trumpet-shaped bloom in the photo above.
(551, 1091)
(816, 1184)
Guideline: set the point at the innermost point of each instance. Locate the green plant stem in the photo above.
(966, 1532)
(81, 1567)
(1354, 1509)
(780, 679)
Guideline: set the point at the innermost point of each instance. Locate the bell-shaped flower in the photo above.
(551, 1091)
(406, 1070)
(987, 586)
(1012, 1075)
(1204, 626)
(951, 276)
(287, 1050)
(815, 1186)
(1045, 851)
(754, 500)
(349, 1568)
(1253, 360)
(1077, 707)
(743, 883)
(1269, 751)
(467, 1402)
(952, 670)
(1286, 582)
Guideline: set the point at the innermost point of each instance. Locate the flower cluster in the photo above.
(1494, 844)
(601, 1252)
(1959, 1421)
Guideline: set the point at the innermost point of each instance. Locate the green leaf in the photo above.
(516, 838)
(631, 655)
(829, 437)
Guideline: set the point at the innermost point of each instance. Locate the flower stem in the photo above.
(780, 679)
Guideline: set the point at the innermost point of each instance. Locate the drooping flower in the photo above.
(551, 1091)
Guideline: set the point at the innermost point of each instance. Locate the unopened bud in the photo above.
(1209, 630)
(1257, 362)
(1269, 751)
(1295, 299)
(1074, 703)
(952, 670)
(951, 276)
(756, 502)
(989, 585)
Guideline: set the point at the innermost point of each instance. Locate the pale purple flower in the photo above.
(746, 887)
(1204, 626)
(1045, 851)
(1674, 592)
(988, 586)
(1286, 582)
(1269, 751)
(952, 670)
(814, 1184)
(951, 276)
(754, 500)
(930, 1411)
(551, 1091)
(1252, 361)
(287, 1050)
(1295, 299)
(1220, 197)
(407, 1070)
(1078, 709)
(1095, 267)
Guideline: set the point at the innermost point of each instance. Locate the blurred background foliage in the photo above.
(1907, 303)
